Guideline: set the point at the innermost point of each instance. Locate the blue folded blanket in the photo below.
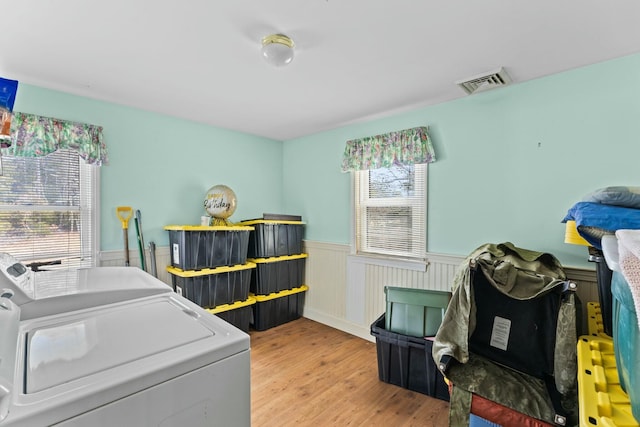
(595, 219)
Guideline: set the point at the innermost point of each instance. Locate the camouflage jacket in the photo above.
(535, 273)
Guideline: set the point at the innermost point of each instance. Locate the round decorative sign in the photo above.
(220, 201)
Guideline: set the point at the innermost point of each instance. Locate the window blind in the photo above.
(46, 208)
(391, 211)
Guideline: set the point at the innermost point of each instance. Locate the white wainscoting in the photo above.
(347, 292)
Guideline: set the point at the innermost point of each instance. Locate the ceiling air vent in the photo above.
(486, 81)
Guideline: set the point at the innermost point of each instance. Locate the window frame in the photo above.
(412, 260)
(89, 242)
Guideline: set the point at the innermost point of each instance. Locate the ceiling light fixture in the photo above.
(277, 49)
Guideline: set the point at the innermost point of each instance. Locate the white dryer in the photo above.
(153, 360)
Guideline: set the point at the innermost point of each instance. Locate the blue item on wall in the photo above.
(8, 90)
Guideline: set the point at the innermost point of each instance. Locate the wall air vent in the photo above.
(486, 81)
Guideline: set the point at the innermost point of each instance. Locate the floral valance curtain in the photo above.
(33, 136)
(409, 146)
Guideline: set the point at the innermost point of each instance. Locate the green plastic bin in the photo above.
(415, 312)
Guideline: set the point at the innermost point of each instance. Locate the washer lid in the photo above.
(53, 292)
(72, 347)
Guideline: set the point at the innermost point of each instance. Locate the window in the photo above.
(48, 210)
(391, 211)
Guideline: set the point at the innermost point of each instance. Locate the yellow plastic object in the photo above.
(277, 258)
(601, 400)
(287, 292)
(595, 325)
(124, 214)
(206, 271)
(226, 307)
(207, 228)
(572, 236)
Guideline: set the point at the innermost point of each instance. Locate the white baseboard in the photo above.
(340, 324)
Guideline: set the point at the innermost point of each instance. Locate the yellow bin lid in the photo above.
(207, 271)
(286, 292)
(226, 307)
(208, 228)
(277, 258)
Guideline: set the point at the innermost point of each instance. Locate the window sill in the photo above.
(403, 263)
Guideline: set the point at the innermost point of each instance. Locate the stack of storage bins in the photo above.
(277, 284)
(209, 267)
(403, 341)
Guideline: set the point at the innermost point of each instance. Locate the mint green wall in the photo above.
(164, 166)
(510, 162)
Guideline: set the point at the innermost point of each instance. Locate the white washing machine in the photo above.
(152, 360)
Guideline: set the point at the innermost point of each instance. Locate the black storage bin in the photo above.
(213, 287)
(603, 275)
(238, 314)
(406, 361)
(277, 273)
(279, 308)
(198, 247)
(273, 238)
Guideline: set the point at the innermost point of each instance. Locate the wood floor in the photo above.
(304, 373)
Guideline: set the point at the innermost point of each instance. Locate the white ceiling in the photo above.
(356, 60)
